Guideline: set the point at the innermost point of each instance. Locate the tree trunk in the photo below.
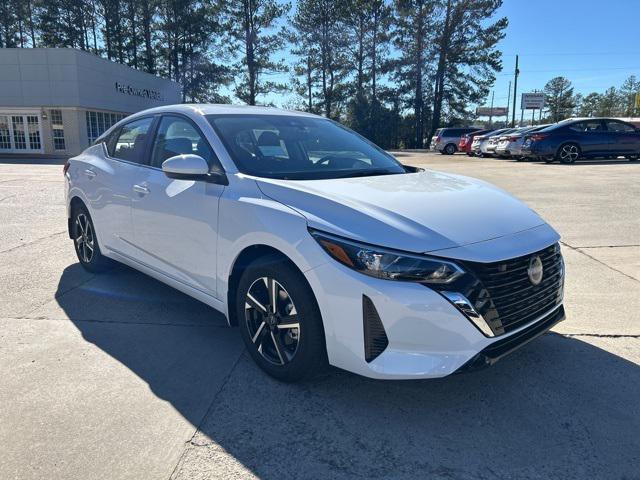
(438, 96)
(32, 30)
(250, 51)
(146, 25)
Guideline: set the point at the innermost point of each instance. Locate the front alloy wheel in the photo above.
(569, 153)
(279, 319)
(272, 321)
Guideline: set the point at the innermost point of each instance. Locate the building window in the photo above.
(5, 133)
(33, 125)
(19, 135)
(100, 122)
(57, 129)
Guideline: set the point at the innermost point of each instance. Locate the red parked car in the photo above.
(466, 140)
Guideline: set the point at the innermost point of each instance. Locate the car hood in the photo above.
(416, 212)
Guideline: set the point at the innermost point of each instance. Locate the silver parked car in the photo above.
(480, 141)
(445, 140)
(510, 145)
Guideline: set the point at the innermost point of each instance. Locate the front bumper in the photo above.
(427, 336)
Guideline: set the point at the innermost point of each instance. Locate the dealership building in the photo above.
(57, 101)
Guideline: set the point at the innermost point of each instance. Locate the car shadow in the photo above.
(558, 408)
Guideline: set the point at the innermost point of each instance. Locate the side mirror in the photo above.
(191, 167)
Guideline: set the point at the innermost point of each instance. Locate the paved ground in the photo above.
(117, 376)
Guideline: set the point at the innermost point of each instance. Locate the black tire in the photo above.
(633, 158)
(568, 153)
(450, 149)
(86, 242)
(288, 354)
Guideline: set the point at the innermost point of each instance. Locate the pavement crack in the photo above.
(580, 250)
(192, 442)
(7, 197)
(115, 322)
(606, 246)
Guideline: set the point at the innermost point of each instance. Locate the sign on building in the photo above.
(491, 112)
(532, 101)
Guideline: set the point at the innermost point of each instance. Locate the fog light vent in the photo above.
(375, 338)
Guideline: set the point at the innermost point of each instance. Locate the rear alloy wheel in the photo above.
(568, 153)
(449, 149)
(280, 321)
(86, 242)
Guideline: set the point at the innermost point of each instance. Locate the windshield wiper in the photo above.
(366, 173)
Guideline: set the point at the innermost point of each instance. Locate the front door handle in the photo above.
(140, 189)
(89, 173)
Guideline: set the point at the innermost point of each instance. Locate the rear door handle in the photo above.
(140, 189)
(89, 173)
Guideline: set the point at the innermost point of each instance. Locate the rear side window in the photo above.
(130, 140)
(178, 136)
(619, 127)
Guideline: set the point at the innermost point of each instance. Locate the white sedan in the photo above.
(321, 248)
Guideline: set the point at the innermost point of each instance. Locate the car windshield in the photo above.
(299, 148)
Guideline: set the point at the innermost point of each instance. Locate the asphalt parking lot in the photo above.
(117, 376)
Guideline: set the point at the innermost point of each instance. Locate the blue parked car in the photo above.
(573, 139)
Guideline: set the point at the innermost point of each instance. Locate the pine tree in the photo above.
(465, 55)
(319, 39)
(254, 31)
(630, 88)
(559, 98)
(413, 36)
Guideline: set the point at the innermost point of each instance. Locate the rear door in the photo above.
(111, 178)
(623, 138)
(176, 221)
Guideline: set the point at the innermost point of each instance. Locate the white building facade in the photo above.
(57, 101)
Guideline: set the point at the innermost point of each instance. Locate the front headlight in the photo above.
(380, 262)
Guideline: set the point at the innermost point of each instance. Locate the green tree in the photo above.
(630, 88)
(413, 35)
(590, 105)
(559, 98)
(319, 40)
(254, 30)
(465, 54)
(610, 103)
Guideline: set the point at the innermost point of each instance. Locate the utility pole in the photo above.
(491, 111)
(515, 94)
(508, 104)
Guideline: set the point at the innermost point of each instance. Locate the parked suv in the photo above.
(445, 140)
(319, 246)
(570, 140)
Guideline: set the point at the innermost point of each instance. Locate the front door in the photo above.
(175, 221)
(623, 138)
(20, 133)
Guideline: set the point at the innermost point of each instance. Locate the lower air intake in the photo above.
(375, 338)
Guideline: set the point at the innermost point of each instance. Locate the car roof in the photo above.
(221, 109)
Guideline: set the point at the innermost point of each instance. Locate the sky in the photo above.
(594, 44)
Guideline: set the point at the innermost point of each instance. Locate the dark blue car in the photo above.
(570, 140)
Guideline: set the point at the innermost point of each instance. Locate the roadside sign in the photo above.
(638, 100)
(491, 112)
(532, 101)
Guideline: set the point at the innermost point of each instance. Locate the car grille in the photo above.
(505, 296)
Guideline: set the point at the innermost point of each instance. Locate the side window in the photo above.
(178, 136)
(619, 127)
(587, 126)
(129, 141)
